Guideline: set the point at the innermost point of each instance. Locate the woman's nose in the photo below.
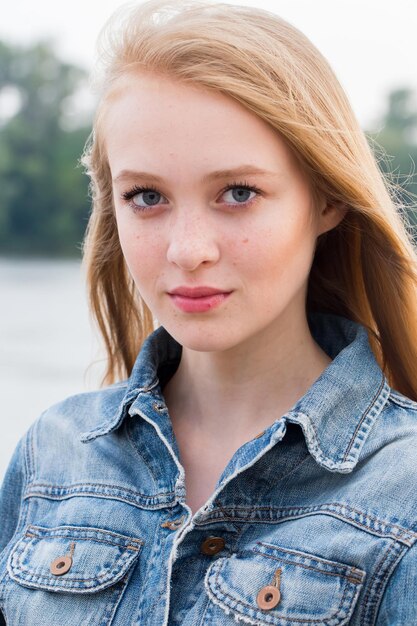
(192, 241)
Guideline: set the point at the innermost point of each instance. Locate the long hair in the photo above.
(365, 269)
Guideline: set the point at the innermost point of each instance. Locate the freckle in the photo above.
(245, 240)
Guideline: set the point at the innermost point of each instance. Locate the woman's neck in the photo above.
(241, 391)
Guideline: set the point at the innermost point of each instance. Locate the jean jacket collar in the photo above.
(336, 413)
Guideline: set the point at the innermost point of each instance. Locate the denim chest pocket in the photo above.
(310, 590)
(79, 574)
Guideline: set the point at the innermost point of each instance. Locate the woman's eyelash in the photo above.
(128, 195)
(243, 185)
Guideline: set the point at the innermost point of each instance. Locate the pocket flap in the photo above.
(312, 590)
(98, 558)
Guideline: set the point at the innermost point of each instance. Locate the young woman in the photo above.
(256, 461)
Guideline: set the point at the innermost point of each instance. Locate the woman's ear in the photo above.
(331, 214)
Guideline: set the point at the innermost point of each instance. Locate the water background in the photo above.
(47, 343)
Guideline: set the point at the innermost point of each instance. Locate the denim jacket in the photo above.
(313, 522)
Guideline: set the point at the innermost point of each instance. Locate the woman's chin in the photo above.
(203, 339)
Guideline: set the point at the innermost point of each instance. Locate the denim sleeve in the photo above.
(399, 606)
(11, 495)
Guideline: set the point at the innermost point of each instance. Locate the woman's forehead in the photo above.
(160, 116)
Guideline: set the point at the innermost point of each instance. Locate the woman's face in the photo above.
(207, 195)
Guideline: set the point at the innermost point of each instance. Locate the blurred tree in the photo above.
(398, 138)
(44, 203)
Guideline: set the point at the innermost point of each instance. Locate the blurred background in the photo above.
(48, 347)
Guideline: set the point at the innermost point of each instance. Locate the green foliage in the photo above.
(44, 204)
(398, 139)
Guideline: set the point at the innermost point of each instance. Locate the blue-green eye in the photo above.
(151, 197)
(240, 193)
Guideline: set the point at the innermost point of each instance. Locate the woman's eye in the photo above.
(150, 197)
(142, 198)
(240, 194)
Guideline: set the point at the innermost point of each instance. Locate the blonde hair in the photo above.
(364, 269)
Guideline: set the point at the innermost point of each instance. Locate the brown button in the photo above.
(61, 565)
(212, 545)
(268, 597)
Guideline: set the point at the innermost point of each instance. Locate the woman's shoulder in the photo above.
(398, 399)
(397, 426)
(398, 420)
(387, 466)
(52, 452)
(81, 412)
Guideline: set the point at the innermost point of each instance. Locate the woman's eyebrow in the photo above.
(243, 170)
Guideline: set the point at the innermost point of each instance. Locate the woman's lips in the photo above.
(197, 300)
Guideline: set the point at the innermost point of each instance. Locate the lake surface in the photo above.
(47, 343)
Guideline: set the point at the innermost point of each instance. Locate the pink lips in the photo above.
(197, 299)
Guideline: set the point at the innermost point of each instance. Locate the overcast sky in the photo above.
(371, 45)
